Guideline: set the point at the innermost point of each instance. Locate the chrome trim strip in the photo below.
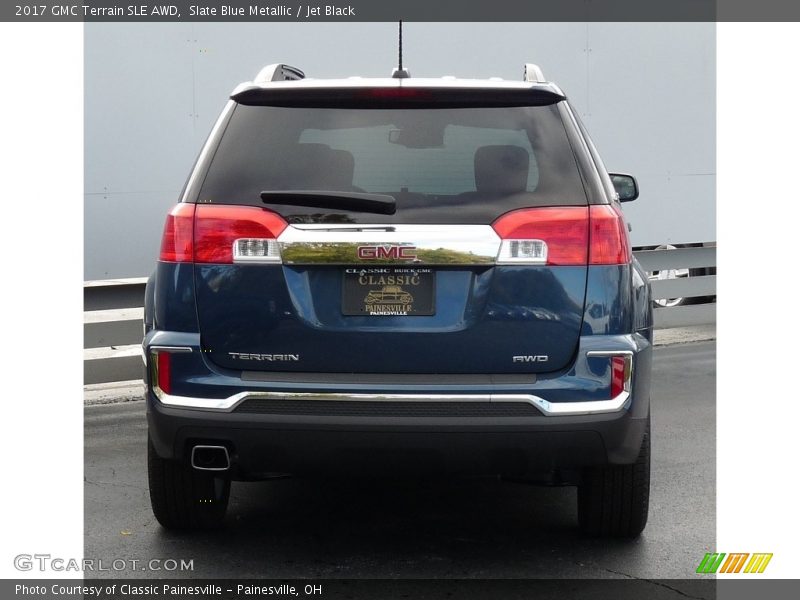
(606, 353)
(171, 349)
(157, 349)
(547, 408)
(432, 244)
(628, 355)
(592, 407)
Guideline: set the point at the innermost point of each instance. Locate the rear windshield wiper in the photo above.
(381, 204)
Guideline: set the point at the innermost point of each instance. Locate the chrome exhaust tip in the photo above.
(210, 458)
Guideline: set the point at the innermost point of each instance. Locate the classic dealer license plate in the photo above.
(388, 291)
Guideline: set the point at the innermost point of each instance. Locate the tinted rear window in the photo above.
(442, 165)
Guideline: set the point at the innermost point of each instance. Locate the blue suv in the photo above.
(376, 276)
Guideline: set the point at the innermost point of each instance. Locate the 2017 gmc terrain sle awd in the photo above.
(370, 275)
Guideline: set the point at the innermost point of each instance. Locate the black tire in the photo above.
(613, 501)
(182, 497)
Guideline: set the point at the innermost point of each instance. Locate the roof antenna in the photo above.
(400, 72)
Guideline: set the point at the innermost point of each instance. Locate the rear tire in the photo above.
(613, 501)
(182, 497)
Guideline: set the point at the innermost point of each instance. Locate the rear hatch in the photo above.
(392, 236)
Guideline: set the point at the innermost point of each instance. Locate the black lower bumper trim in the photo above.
(262, 443)
(387, 409)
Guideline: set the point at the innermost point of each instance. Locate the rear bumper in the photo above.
(262, 444)
(556, 422)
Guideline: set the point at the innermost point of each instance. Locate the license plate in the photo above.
(388, 291)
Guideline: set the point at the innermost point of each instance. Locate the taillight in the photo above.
(226, 234)
(544, 236)
(221, 234)
(608, 236)
(176, 243)
(568, 235)
(164, 371)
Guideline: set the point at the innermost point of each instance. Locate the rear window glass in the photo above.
(442, 165)
(442, 170)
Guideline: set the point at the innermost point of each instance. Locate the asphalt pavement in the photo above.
(296, 528)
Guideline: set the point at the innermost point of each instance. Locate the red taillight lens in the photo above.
(164, 372)
(567, 232)
(618, 377)
(217, 227)
(608, 236)
(206, 234)
(176, 243)
(564, 231)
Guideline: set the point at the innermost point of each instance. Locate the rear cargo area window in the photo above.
(441, 165)
(445, 169)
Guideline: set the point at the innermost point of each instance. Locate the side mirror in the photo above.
(626, 186)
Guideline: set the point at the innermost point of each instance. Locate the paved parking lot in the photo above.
(459, 529)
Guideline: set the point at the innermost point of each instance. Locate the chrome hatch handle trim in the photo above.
(400, 244)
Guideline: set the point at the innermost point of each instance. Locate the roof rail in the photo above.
(533, 74)
(278, 72)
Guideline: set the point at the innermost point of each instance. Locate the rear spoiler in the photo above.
(405, 96)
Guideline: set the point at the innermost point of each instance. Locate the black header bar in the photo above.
(407, 10)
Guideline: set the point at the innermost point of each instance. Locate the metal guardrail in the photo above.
(112, 330)
(112, 321)
(695, 287)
